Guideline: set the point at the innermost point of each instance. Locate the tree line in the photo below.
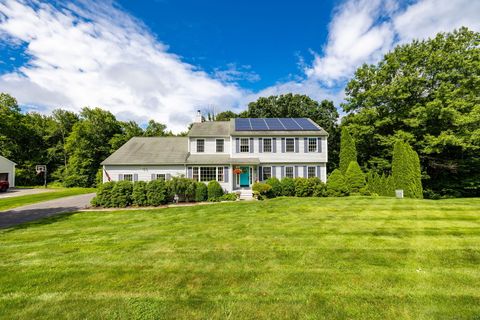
(424, 94)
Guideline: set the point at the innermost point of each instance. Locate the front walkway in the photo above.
(44, 209)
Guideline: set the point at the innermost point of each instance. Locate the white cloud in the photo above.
(95, 55)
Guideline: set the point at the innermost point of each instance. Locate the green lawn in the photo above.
(12, 202)
(286, 258)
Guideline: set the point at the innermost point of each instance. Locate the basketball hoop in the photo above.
(41, 168)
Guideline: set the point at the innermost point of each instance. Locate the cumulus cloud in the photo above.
(88, 54)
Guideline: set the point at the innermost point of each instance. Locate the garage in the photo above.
(7, 171)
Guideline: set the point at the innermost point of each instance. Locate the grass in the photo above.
(13, 202)
(286, 258)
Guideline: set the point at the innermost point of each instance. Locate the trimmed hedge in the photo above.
(156, 193)
(201, 192)
(276, 185)
(139, 195)
(288, 187)
(215, 191)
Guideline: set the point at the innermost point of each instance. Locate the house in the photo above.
(236, 153)
(7, 171)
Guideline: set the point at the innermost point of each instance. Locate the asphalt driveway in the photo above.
(44, 209)
(14, 192)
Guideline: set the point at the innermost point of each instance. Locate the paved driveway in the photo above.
(44, 209)
(13, 192)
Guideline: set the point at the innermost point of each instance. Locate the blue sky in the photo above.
(165, 59)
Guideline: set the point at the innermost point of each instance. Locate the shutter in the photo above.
(260, 173)
(168, 176)
(153, 176)
(283, 145)
(282, 172)
(251, 145)
(296, 172)
(260, 145)
(297, 149)
(274, 173)
(135, 177)
(319, 144)
(237, 145)
(305, 146)
(274, 145)
(226, 174)
(120, 177)
(319, 173)
(305, 172)
(190, 173)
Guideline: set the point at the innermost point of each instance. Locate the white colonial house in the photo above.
(235, 153)
(7, 171)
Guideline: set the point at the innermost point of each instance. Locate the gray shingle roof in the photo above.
(210, 129)
(219, 159)
(154, 150)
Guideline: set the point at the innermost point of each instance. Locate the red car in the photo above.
(4, 185)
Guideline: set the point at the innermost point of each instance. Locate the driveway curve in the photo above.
(44, 209)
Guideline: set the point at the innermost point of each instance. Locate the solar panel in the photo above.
(306, 124)
(258, 124)
(274, 124)
(290, 124)
(242, 124)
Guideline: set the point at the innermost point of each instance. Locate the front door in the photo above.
(245, 177)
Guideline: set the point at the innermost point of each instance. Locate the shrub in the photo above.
(320, 190)
(169, 191)
(348, 152)
(354, 177)
(156, 192)
(215, 190)
(406, 170)
(229, 197)
(288, 187)
(179, 187)
(263, 189)
(276, 185)
(139, 195)
(336, 185)
(380, 185)
(104, 195)
(122, 194)
(302, 188)
(201, 193)
(190, 192)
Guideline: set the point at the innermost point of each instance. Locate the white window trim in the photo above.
(316, 144)
(216, 173)
(271, 145)
(248, 145)
(203, 146)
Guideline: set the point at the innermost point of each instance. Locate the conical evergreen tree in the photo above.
(336, 184)
(406, 170)
(354, 177)
(348, 152)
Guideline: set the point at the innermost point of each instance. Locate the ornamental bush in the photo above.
(201, 192)
(348, 151)
(229, 197)
(320, 190)
(139, 195)
(190, 191)
(354, 177)
(262, 188)
(104, 195)
(288, 187)
(336, 184)
(406, 170)
(215, 190)
(276, 185)
(122, 194)
(303, 188)
(156, 193)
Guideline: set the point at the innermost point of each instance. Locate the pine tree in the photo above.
(348, 152)
(354, 177)
(336, 184)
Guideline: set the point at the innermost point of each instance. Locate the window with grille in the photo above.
(311, 172)
(208, 174)
(290, 145)
(267, 145)
(220, 174)
(200, 145)
(195, 173)
(266, 173)
(244, 145)
(161, 176)
(312, 144)
(220, 143)
(289, 172)
(128, 177)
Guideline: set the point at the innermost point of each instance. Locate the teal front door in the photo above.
(245, 177)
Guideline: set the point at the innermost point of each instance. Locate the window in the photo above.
(289, 172)
(128, 177)
(220, 143)
(290, 145)
(312, 144)
(208, 173)
(195, 173)
(267, 145)
(200, 145)
(311, 172)
(161, 176)
(220, 174)
(266, 173)
(244, 145)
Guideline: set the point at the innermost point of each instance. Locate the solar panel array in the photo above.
(274, 124)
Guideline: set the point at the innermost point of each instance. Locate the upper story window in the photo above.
(220, 144)
(244, 145)
(312, 144)
(290, 145)
(200, 145)
(267, 145)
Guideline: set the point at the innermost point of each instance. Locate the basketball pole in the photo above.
(45, 177)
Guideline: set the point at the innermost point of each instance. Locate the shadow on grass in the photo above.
(22, 219)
